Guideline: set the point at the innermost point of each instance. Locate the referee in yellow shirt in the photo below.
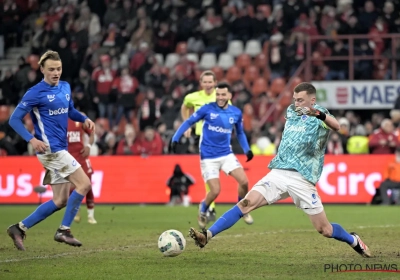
(192, 102)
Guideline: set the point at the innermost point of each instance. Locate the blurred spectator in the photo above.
(188, 26)
(125, 87)
(391, 178)
(359, 142)
(9, 94)
(150, 143)
(277, 57)
(335, 146)
(368, 16)
(156, 80)
(263, 146)
(102, 78)
(240, 27)
(126, 144)
(10, 14)
(164, 40)
(338, 68)
(113, 13)
(149, 111)
(383, 141)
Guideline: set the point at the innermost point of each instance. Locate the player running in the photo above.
(215, 149)
(80, 151)
(194, 101)
(295, 171)
(50, 104)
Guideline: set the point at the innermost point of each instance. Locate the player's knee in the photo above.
(244, 184)
(84, 188)
(215, 191)
(60, 202)
(245, 205)
(326, 231)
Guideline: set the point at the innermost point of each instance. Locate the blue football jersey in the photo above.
(215, 140)
(49, 107)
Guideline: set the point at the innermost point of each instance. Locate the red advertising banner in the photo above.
(131, 179)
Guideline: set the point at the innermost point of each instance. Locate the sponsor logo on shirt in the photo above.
(219, 129)
(58, 111)
(295, 128)
(51, 97)
(213, 116)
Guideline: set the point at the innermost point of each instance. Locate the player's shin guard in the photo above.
(73, 204)
(41, 213)
(227, 220)
(339, 233)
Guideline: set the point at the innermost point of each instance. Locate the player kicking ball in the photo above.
(215, 151)
(295, 171)
(50, 105)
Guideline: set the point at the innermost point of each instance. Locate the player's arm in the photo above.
(28, 102)
(241, 136)
(186, 107)
(330, 122)
(198, 115)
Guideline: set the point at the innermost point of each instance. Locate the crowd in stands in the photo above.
(131, 62)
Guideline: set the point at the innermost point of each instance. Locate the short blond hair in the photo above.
(49, 55)
(208, 73)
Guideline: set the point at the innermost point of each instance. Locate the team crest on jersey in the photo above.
(51, 97)
(231, 120)
(67, 96)
(304, 117)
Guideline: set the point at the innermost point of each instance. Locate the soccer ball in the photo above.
(171, 243)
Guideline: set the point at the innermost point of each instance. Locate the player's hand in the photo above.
(89, 124)
(309, 111)
(38, 145)
(85, 152)
(172, 147)
(188, 133)
(249, 156)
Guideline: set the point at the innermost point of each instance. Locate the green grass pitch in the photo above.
(281, 244)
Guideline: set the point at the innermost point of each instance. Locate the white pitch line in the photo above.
(121, 248)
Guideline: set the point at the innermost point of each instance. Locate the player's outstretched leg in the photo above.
(17, 231)
(82, 186)
(252, 201)
(90, 207)
(336, 231)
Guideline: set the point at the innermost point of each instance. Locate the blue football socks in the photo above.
(341, 234)
(41, 213)
(203, 207)
(227, 220)
(73, 204)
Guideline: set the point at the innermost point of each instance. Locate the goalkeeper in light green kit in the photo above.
(295, 171)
